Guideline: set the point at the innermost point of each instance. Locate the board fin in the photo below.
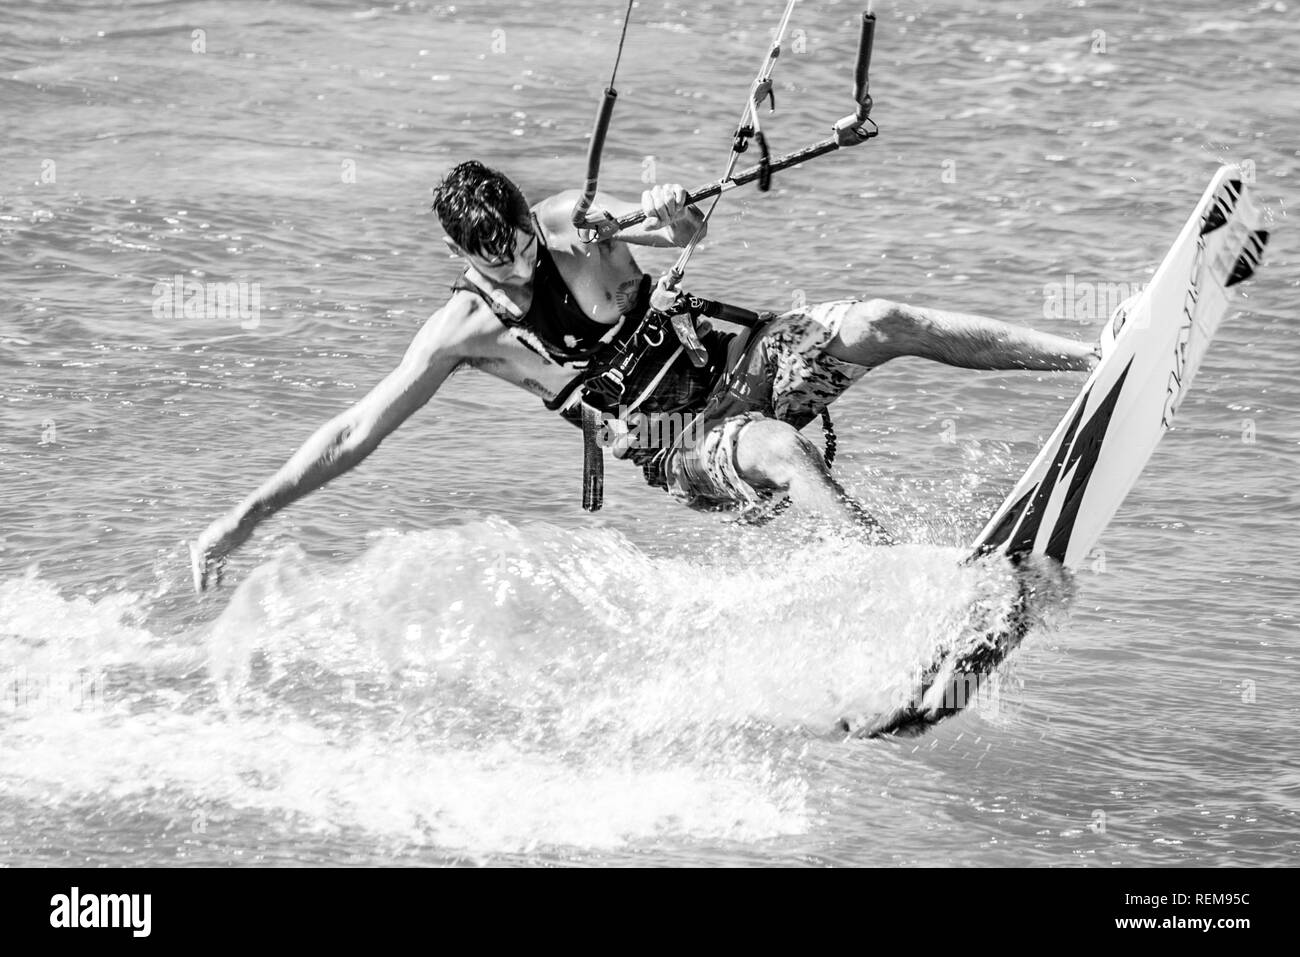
(1250, 257)
(1222, 207)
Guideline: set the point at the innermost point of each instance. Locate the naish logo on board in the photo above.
(1228, 251)
(1217, 216)
(1177, 375)
(102, 910)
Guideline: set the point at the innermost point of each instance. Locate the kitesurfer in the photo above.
(539, 304)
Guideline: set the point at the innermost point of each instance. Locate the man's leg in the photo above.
(877, 330)
(773, 454)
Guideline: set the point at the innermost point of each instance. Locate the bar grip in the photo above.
(604, 113)
(861, 80)
(610, 227)
(724, 311)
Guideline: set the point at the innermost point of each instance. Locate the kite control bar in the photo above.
(856, 128)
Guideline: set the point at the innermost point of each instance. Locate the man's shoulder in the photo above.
(555, 216)
(464, 319)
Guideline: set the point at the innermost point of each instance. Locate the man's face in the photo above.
(514, 269)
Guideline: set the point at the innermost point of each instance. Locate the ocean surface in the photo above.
(440, 658)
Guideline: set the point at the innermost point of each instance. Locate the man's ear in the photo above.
(453, 246)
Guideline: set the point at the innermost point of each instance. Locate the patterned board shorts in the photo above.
(782, 372)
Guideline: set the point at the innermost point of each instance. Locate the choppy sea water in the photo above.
(440, 658)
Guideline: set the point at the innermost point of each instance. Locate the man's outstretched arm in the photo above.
(342, 442)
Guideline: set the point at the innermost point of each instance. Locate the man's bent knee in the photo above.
(873, 332)
(770, 453)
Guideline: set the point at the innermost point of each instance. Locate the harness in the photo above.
(621, 376)
(629, 365)
(637, 364)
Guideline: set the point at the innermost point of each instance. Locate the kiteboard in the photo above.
(1151, 348)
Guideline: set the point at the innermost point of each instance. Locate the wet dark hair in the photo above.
(480, 209)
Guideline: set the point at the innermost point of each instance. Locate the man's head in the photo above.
(487, 221)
